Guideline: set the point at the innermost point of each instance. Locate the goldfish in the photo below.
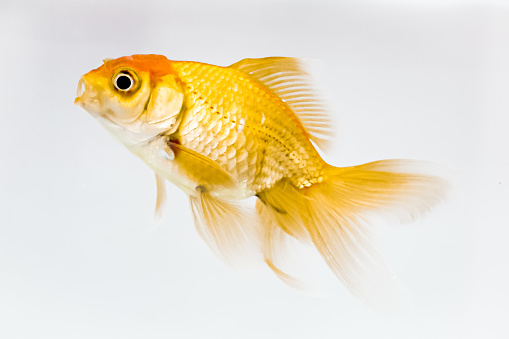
(253, 129)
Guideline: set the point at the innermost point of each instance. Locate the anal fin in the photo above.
(274, 241)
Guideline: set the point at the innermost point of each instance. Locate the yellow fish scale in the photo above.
(247, 130)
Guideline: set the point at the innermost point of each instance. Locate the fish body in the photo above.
(223, 134)
(246, 128)
(232, 119)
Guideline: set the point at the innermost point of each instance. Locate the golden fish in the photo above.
(223, 134)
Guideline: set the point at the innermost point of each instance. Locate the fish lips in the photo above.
(87, 97)
(80, 91)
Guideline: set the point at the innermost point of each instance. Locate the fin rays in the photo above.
(286, 78)
(161, 195)
(336, 215)
(227, 227)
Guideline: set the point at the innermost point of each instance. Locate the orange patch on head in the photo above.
(156, 65)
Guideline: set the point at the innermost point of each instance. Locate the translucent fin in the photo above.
(161, 195)
(202, 169)
(336, 215)
(401, 190)
(285, 200)
(228, 228)
(286, 78)
(274, 244)
(338, 220)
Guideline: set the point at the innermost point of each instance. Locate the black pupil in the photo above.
(124, 82)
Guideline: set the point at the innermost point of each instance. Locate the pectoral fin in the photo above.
(204, 171)
(161, 195)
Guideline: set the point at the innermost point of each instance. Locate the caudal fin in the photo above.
(336, 216)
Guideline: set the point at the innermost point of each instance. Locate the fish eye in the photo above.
(123, 81)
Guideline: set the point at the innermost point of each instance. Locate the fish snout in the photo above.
(83, 91)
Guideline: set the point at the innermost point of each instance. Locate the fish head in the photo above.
(136, 97)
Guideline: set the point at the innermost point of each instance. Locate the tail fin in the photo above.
(335, 216)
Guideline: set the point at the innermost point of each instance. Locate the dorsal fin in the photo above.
(286, 78)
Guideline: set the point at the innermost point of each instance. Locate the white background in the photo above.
(80, 253)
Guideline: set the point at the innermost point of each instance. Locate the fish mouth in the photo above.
(80, 91)
(87, 97)
(85, 93)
